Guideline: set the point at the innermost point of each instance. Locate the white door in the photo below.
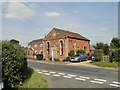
(53, 54)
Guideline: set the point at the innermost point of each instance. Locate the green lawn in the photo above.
(106, 64)
(35, 81)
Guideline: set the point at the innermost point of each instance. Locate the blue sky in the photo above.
(26, 21)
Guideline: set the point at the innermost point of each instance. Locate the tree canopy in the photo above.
(14, 63)
(14, 41)
(115, 42)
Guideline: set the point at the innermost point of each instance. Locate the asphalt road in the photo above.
(66, 76)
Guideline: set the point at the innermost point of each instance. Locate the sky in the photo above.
(27, 21)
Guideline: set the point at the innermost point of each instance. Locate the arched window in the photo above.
(61, 47)
(48, 47)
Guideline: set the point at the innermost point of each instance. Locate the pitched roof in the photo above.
(36, 41)
(71, 34)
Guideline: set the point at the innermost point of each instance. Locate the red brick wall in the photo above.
(36, 48)
(57, 46)
(79, 45)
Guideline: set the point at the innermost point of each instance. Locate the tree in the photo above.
(115, 43)
(99, 45)
(106, 49)
(14, 41)
(14, 63)
(98, 55)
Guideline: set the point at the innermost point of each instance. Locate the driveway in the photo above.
(68, 76)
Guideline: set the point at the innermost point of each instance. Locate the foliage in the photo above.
(99, 45)
(67, 59)
(72, 53)
(39, 56)
(106, 49)
(106, 64)
(115, 56)
(14, 41)
(80, 51)
(56, 59)
(115, 43)
(14, 63)
(36, 80)
(98, 55)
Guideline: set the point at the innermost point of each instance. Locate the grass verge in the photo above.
(106, 64)
(35, 81)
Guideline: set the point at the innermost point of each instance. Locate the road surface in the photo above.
(66, 76)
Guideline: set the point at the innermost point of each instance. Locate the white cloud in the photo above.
(17, 10)
(52, 14)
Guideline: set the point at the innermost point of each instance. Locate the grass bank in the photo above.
(106, 64)
(36, 80)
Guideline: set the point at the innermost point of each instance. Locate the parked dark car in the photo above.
(78, 58)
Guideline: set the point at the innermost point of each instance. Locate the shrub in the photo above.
(67, 59)
(72, 53)
(56, 59)
(106, 49)
(115, 56)
(39, 56)
(80, 51)
(98, 55)
(14, 64)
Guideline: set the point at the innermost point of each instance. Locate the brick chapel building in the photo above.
(35, 47)
(58, 44)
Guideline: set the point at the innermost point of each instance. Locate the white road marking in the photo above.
(40, 72)
(56, 75)
(71, 75)
(61, 73)
(85, 77)
(52, 72)
(37, 70)
(67, 76)
(44, 71)
(96, 82)
(102, 80)
(115, 85)
(80, 79)
(47, 73)
(116, 82)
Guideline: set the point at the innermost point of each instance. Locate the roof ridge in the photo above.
(70, 32)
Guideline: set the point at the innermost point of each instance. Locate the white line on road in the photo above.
(85, 77)
(61, 73)
(115, 85)
(71, 75)
(96, 82)
(116, 82)
(80, 79)
(100, 80)
(67, 76)
(56, 75)
(44, 71)
(40, 72)
(37, 70)
(52, 72)
(47, 73)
